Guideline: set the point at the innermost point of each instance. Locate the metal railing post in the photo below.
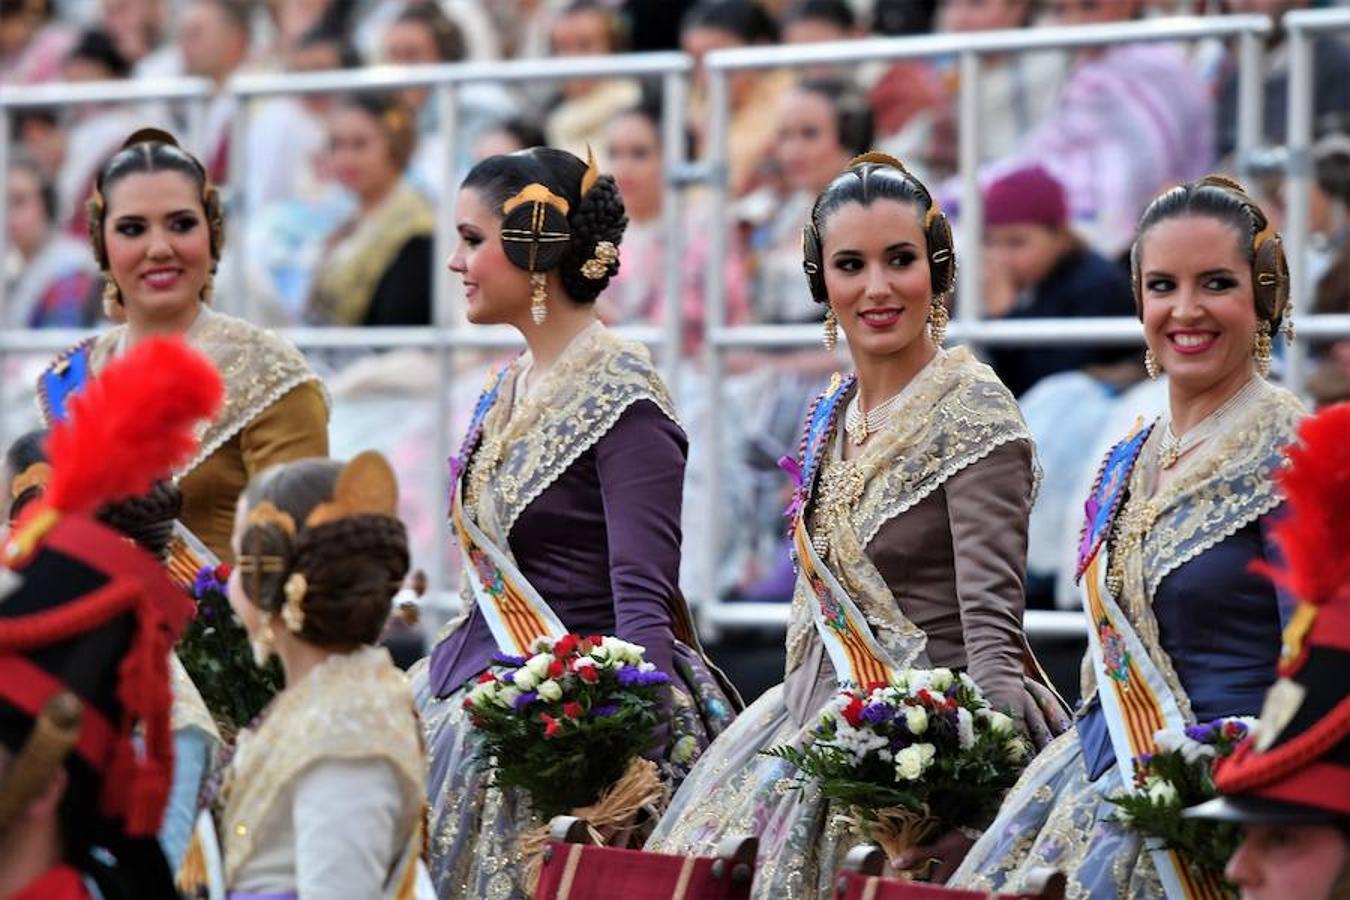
(970, 299)
(1249, 102)
(673, 127)
(714, 298)
(1298, 141)
(247, 305)
(446, 315)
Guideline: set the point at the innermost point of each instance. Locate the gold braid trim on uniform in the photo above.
(1222, 486)
(258, 366)
(956, 414)
(352, 706)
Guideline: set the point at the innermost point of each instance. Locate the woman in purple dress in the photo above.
(568, 490)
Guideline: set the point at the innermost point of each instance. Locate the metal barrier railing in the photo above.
(1302, 27)
(968, 325)
(446, 336)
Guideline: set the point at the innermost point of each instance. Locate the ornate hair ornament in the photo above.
(592, 175)
(876, 157)
(293, 612)
(365, 487)
(36, 475)
(266, 513)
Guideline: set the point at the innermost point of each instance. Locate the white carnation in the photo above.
(916, 720)
(965, 728)
(539, 664)
(550, 690)
(507, 697)
(525, 680)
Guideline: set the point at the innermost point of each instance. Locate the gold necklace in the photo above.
(1171, 448)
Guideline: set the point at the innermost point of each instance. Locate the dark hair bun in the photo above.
(599, 217)
(354, 566)
(148, 519)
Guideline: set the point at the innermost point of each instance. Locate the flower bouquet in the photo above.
(911, 759)
(1179, 775)
(566, 724)
(216, 653)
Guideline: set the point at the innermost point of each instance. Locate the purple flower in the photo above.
(877, 713)
(631, 676)
(604, 710)
(508, 678)
(526, 699)
(1204, 733)
(514, 662)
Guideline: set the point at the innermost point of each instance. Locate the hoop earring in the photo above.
(1261, 349)
(1151, 364)
(937, 321)
(539, 298)
(263, 644)
(831, 335)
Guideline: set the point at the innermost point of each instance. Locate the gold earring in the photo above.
(1261, 349)
(539, 298)
(209, 287)
(263, 643)
(1151, 364)
(831, 329)
(937, 321)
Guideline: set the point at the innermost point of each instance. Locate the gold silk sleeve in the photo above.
(295, 427)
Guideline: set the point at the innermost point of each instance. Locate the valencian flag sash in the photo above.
(858, 658)
(1134, 696)
(515, 612)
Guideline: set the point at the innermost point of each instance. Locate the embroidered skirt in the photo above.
(1054, 817)
(735, 790)
(475, 829)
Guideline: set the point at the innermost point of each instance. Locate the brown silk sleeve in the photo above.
(989, 503)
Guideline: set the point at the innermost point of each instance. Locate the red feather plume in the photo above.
(131, 425)
(1314, 535)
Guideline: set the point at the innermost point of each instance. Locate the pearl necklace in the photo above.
(860, 427)
(1171, 448)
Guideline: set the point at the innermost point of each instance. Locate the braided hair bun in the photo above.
(595, 213)
(341, 572)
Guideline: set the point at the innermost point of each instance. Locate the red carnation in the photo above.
(566, 646)
(853, 712)
(222, 573)
(551, 726)
(486, 677)
(572, 709)
(595, 640)
(589, 674)
(556, 669)
(468, 703)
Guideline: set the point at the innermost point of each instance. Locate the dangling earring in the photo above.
(539, 298)
(1151, 364)
(209, 287)
(937, 321)
(1261, 348)
(831, 336)
(263, 643)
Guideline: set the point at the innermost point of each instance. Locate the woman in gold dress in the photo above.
(157, 230)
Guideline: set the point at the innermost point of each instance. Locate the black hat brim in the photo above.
(1250, 810)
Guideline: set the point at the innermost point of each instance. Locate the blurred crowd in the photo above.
(339, 198)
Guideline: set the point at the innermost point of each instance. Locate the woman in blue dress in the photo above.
(1180, 629)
